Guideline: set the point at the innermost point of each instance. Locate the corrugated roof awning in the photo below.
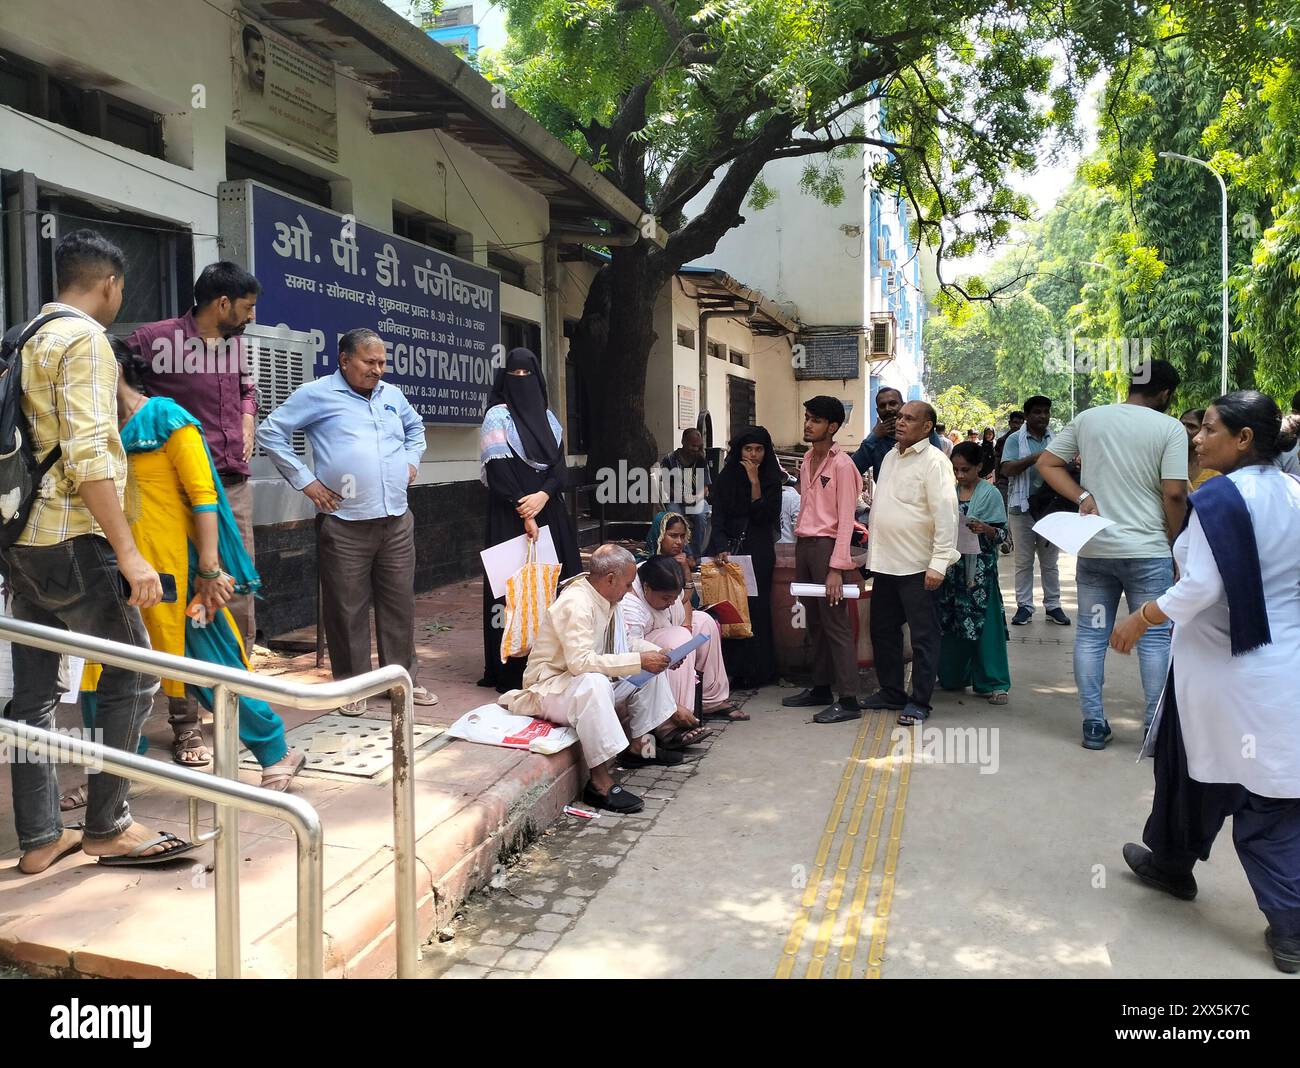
(717, 290)
(416, 76)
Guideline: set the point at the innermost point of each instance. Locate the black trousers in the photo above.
(895, 600)
(1186, 817)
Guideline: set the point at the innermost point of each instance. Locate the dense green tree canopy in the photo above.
(682, 103)
(1130, 256)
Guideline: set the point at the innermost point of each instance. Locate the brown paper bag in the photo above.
(726, 582)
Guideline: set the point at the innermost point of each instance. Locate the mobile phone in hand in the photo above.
(168, 586)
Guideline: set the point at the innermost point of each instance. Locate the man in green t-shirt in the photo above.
(1134, 471)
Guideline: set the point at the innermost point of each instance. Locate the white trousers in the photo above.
(591, 703)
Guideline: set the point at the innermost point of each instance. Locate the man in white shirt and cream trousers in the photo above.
(577, 671)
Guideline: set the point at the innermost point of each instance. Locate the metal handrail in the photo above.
(228, 684)
(294, 811)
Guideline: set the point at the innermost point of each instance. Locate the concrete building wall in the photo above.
(116, 47)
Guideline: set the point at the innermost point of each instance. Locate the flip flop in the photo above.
(731, 713)
(133, 859)
(66, 851)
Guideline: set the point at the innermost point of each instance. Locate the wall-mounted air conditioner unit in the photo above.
(881, 339)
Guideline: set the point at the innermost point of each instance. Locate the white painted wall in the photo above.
(138, 51)
(797, 249)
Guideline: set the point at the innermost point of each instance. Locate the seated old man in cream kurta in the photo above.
(577, 676)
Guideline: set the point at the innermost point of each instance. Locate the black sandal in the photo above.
(681, 737)
(665, 759)
(618, 800)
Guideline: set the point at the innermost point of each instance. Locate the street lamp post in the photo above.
(1223, 189)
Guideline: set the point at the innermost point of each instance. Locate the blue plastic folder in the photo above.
(674, 658)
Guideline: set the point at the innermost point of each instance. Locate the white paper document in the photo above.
(968, 542)
(675, 657)
(747, 569)
(1071, 531)
(502, 561)
(813, 589)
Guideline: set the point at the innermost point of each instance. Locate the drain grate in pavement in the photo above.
(343, 745)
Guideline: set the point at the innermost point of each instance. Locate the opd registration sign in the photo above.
(324, 273)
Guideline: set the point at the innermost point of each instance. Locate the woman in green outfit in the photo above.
(974, 648)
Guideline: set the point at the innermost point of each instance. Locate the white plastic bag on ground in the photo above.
(493, 725)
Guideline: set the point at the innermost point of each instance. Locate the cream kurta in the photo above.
(1238, 713)
(573, 629)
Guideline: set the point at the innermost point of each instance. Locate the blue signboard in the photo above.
(439, 316)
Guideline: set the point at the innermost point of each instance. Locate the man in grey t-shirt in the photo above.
(1134, 471)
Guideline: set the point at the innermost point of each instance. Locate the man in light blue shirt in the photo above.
(1019, 455)
(366, 442)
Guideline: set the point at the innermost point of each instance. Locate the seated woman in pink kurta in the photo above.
(656, 609)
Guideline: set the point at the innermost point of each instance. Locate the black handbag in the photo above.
(1045, 501)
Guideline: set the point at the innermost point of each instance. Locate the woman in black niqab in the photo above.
(521, 456)
(746, 521)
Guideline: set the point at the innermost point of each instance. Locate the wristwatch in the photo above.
(1083, 497)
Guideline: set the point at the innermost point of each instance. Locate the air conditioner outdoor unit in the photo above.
(891, 281)
(882, 337)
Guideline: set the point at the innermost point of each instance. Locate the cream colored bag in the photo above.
(528, 593)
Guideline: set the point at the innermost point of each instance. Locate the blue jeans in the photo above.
(1100, 582)
(74, 585)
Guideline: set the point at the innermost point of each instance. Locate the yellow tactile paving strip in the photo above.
(882, 779)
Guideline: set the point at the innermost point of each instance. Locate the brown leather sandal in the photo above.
(188, 749)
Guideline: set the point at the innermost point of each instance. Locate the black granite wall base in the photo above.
(448, 537)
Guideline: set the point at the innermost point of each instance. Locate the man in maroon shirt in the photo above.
(202, 363)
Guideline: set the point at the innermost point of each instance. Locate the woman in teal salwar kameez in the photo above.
(974, 646)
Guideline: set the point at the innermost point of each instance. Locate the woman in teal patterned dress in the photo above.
(974, 648)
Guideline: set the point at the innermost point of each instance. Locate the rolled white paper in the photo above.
(812, 589)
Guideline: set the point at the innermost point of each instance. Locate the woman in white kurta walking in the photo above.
(1227, 737)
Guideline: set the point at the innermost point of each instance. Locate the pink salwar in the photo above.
(707, 661)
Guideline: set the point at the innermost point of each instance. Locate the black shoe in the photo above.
(1182, 886)
(1023, 615)
(807, 698)
(1286, 952)
(1057, 616)
(878, 700)
(617, 800)
(664, 758)
(837, 713)
(1096, 735)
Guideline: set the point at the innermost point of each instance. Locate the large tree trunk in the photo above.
(611, 348)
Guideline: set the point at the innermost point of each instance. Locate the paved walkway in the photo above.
(986, 847)
(472, 803)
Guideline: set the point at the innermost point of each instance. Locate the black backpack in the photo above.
(20, 472)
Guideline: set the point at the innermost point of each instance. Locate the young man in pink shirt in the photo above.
(829, 488)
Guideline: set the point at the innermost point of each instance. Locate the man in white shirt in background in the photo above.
(912, 544)
(789, 508)
(1134, 468)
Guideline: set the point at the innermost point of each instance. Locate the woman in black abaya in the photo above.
(521, 461)
(746, 500)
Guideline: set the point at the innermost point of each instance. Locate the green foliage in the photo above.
(960, 410)
(1132, 251)
(946, 96)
